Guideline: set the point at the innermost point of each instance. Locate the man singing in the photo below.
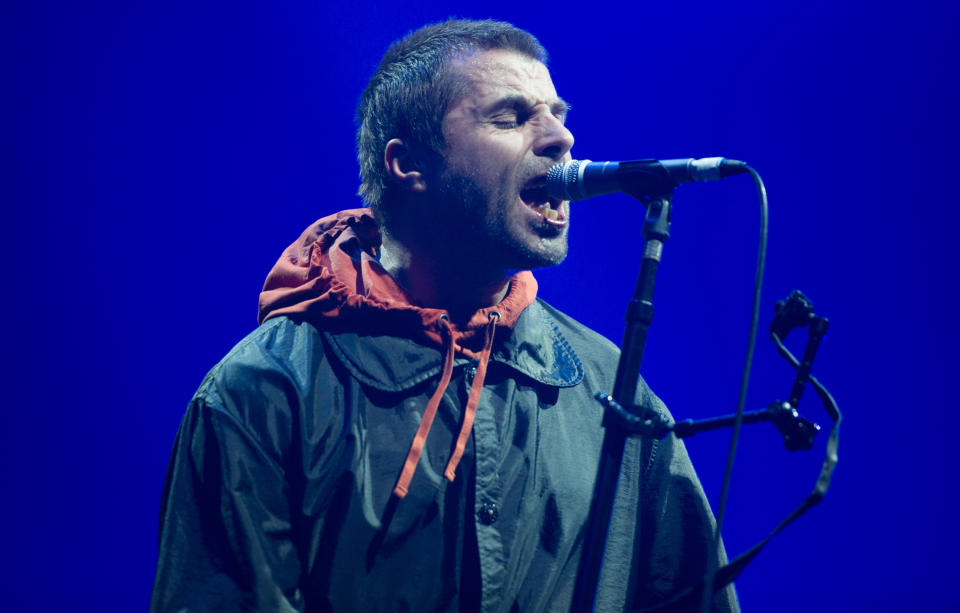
(410, 428)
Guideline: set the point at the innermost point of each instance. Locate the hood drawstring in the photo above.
(416, 447)
(413, 456)
(474, 399)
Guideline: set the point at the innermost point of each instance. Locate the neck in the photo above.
(443, 281)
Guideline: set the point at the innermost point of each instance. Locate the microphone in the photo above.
(582, 179)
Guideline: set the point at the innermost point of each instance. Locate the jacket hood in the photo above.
(331, 277)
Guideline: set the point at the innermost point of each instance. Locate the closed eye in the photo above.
(511, 119)
(514, 111)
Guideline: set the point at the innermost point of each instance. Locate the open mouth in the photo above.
(534, 195)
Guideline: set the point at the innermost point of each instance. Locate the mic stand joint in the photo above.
(798, 432)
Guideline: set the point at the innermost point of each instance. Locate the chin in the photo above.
(547, 253)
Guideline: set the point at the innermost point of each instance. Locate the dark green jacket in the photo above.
(278, 495)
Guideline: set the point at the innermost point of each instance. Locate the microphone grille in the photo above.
(563, 178)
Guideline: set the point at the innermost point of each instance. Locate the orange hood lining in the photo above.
(331, 277)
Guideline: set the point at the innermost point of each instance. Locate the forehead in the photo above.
(499, 72)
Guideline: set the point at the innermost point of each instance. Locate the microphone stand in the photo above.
(622, 419)
(656, 231)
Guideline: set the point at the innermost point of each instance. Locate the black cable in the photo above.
(712, 560)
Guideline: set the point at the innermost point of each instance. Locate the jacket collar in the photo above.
(535, 348)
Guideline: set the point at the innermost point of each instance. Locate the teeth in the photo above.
(550, 213)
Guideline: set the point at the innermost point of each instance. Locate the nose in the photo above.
(554, 139)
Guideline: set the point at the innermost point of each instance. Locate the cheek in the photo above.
(487, 152)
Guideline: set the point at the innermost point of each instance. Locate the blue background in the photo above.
(160, 156)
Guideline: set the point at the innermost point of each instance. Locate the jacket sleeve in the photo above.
(677, 531)
(225, 523)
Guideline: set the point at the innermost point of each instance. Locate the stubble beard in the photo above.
(470, 233)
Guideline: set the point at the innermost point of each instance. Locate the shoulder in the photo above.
(275, 346)
(265, 374)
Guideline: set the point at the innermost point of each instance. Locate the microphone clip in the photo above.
(798, 432)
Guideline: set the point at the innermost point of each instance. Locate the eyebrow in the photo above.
(558, 107)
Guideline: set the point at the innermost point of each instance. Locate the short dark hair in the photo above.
(412, 88)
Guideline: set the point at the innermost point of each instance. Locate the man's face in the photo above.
(502, 135)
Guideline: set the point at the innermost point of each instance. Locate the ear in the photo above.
(401, 165)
